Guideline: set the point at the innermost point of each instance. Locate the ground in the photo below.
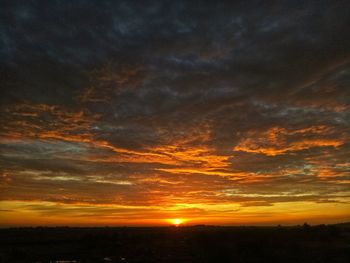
(177, 244)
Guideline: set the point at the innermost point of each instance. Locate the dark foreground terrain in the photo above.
(177, 244)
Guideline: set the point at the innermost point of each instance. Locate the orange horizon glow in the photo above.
(73, 215)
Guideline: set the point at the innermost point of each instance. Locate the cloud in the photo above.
(277, 140)
(239, 105)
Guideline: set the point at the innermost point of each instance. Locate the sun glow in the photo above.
(176, 221)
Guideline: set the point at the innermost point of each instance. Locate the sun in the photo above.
(177, 221)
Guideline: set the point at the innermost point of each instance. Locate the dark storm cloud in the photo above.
(166, 101)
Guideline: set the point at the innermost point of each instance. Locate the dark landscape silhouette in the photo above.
(322, 243)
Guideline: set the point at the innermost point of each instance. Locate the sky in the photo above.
(135, 113)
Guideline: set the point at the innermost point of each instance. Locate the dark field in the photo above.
(177, 244)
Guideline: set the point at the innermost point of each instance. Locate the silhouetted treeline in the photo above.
(177, 244)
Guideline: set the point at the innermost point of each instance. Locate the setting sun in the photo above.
(177, 221)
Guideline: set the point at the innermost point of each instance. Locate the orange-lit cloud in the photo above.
(277, 140)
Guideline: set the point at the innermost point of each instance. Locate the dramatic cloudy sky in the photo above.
(126, 112)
